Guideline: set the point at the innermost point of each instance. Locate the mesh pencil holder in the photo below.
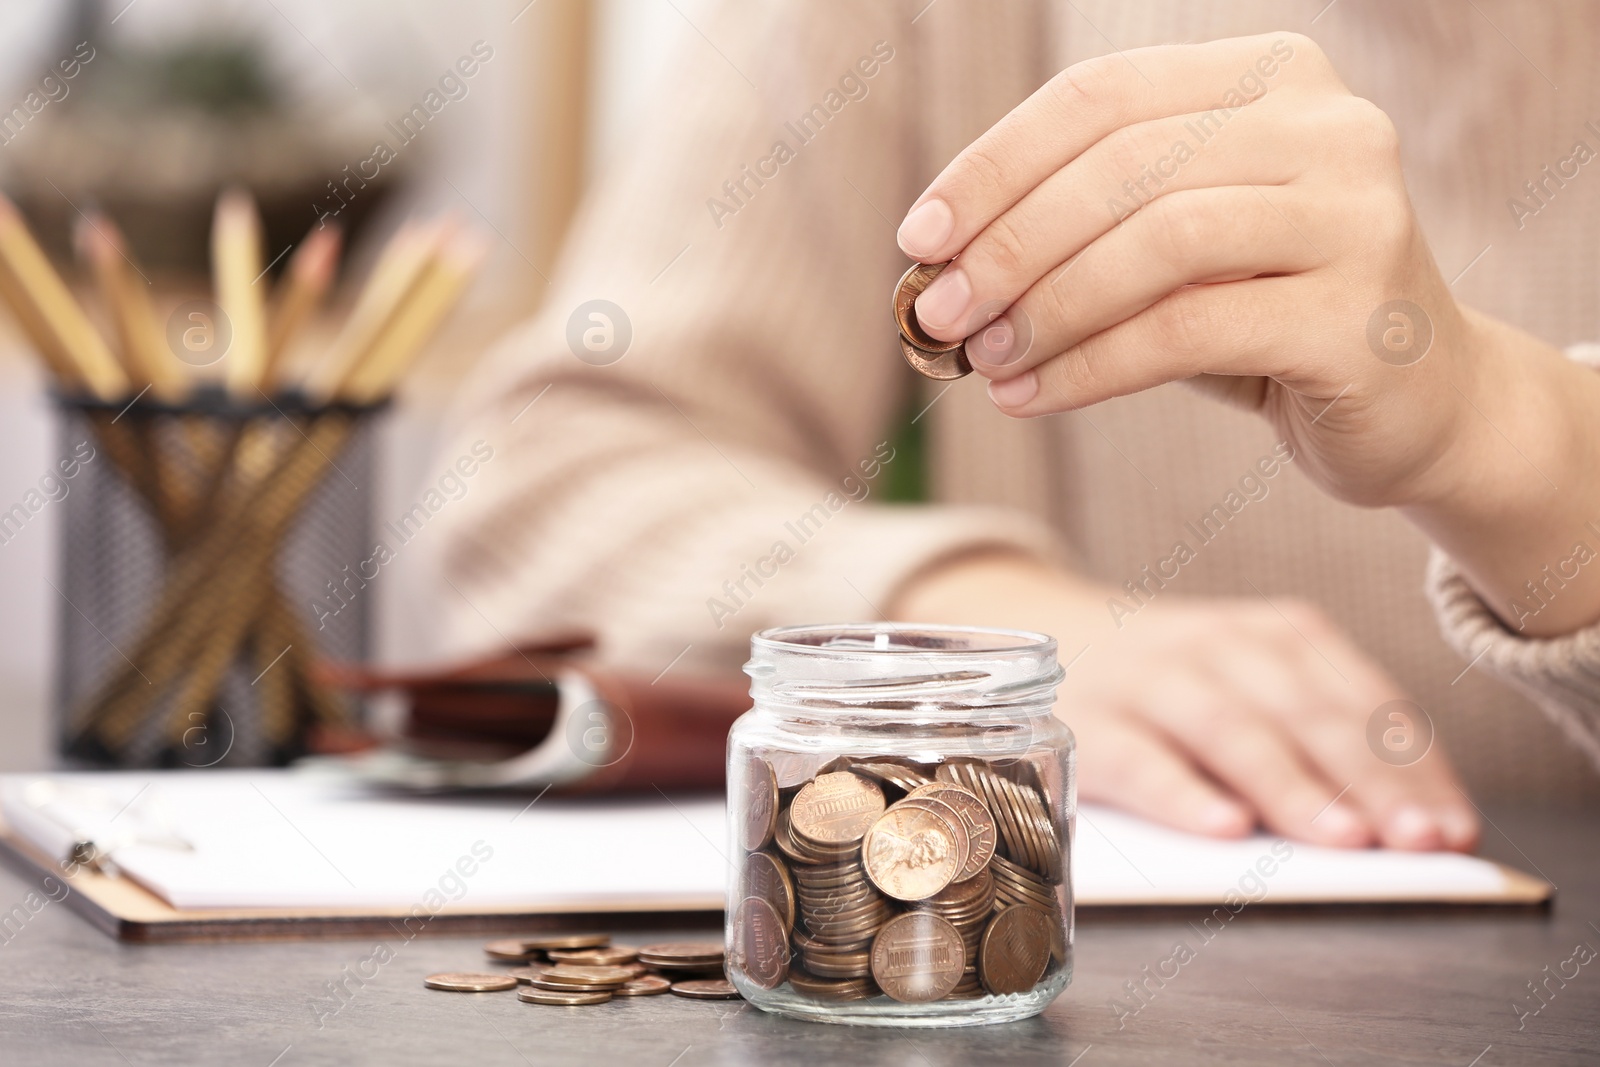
(211, 553)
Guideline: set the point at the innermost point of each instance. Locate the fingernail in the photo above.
(1412, 827)
(995, 345)
(944, 302)
(1341, 824)
(1015, 392)
(926, 229)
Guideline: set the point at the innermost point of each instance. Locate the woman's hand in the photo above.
(1230, 213)
(1214, 716)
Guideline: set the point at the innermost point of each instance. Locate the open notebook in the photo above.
(240, 841)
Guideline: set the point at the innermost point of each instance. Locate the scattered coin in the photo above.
(646, 985)
(580, 974)
(528, 973)
(551, 996)
(616, 954)
(469, 982)
(706, 989)
(511, 950)
(682, 954)
(546, 942)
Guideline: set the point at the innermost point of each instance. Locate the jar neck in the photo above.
(885, 673)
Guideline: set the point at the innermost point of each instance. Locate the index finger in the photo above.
(1083, 104)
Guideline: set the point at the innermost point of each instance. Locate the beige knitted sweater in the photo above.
(720, 476)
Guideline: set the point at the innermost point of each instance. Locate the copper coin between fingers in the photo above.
(706, 989)
(760, 943)
(760, 804)
(646, 985)
(469, 982)
(911, 853)
(928, 356)
(1015, 950)
(917, 957)
(552, 996)
(837, 808)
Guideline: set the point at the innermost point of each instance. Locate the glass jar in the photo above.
(900, 821)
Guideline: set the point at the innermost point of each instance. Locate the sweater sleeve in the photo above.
(1560, 674)
(705, 457)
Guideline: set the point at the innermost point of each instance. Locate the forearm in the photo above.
(1514, 503)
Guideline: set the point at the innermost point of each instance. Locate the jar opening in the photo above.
(898, 666)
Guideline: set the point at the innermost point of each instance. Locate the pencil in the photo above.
(306, 282)
(140, 342)
(235, 268)
(66, 337)
(399, 268)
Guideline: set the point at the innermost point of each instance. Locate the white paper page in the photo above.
(279, 839)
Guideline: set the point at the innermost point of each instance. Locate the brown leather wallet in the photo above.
(663, 733)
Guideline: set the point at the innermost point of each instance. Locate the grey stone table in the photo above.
(1271, 987)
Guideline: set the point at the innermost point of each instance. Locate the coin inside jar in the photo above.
(912, 852)
(761, 943)
(928, 356)
(761, 805)
(917, 957)
(1015, 950)
(836, 809)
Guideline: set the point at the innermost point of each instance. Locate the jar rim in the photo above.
(894, 639)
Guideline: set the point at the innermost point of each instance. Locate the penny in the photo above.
(551, 996)
(940, 360)
(574, 987)
(529, 973)
(917, 957)
(511, 950)
(706, 989)
(982, 834)
(824, 989)
(616, 954)
(1015, 950)
(951, 816)
(545, 942)
(911, 853)
(760, 805)
(760, 945)
(469, 982)
(681, 952)
(646, 985)
(1027, 834)
(765, 876)
(837, 808)
(584, 974)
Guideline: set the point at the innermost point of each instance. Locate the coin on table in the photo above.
(760, 804)
(546, 942)
(511, 950)
(612, 956)
(529, 973)
(469, 982)
(1015, 950)
(982, 833)
(553, 996)
(940, 360)
(581, 974)
(697, 954)
(761, 943)
(917, 957)
(911, 853)
(765, 876)
(706, 989)
(837, 808)
(646, 985)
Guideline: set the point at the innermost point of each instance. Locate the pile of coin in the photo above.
(576, 969)
(882, 876)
